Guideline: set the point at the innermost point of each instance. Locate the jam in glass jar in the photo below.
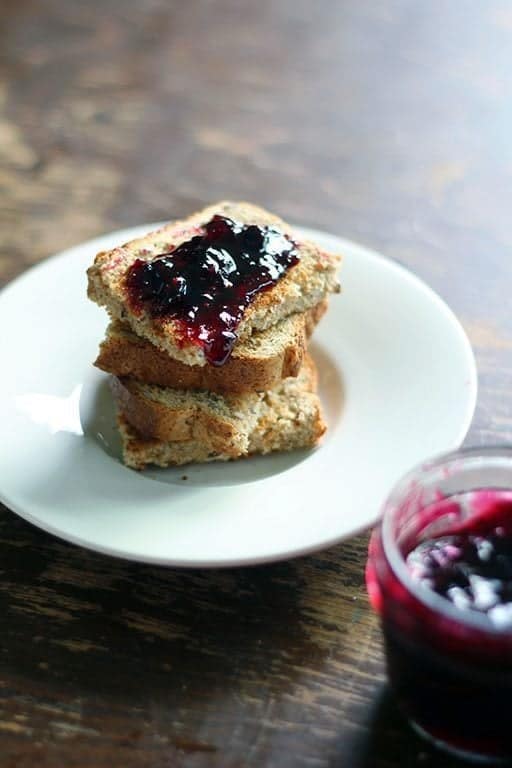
(439, 574)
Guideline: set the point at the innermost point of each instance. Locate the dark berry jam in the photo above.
(447, 619)
(474, 572)
(206, 283)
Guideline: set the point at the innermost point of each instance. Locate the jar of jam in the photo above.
(439, 574)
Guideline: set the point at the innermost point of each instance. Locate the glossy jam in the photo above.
(451, 668)
(206, 283)
(472, 571)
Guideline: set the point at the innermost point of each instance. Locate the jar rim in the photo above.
(428, 597)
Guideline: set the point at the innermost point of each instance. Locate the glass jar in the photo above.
(451, 669)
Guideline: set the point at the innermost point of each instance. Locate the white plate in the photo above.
(397, 378)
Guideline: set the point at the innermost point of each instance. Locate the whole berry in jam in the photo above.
(473, 571)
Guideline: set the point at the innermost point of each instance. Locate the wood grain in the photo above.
(387, 122)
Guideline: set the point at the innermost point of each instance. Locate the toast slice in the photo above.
(284, 419)
(224, 425)
(302, 287)
(258, 363)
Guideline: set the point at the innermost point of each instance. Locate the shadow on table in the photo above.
(129, 632)
(171, 662)
(389, 742)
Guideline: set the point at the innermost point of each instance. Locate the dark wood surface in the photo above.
(388, 122)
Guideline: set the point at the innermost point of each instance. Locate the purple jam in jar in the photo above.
(439, 574)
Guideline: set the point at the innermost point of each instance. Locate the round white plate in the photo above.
(397, 379)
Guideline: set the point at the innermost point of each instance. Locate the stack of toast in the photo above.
(235, 380)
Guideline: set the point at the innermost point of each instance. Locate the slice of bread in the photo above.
(258, 363)
(302, 287)
(224, 425)
(287, 418)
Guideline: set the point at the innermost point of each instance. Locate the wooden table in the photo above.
(387, 122)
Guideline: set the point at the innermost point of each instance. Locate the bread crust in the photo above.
(222, 423)
(260, 365)
(186, 418)
(287, 418)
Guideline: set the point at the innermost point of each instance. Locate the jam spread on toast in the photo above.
(206, 283)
